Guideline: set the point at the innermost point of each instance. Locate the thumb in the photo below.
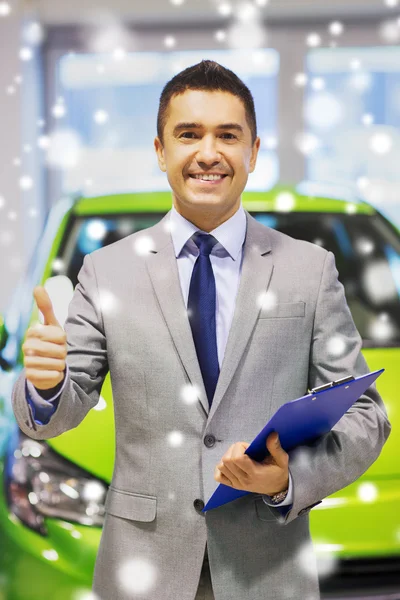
(45, 306)
(275, 448)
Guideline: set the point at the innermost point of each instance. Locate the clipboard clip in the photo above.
(331, 384)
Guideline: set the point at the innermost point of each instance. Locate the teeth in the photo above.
(208, 177)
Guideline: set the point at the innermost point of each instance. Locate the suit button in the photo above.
(198, 504)
(209, 441)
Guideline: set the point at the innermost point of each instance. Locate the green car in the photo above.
(52, 492)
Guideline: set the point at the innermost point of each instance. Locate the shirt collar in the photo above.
(230, 234)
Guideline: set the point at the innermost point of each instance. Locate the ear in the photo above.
(160, 153)
(254, 154)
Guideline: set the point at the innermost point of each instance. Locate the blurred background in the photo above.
(80, 83)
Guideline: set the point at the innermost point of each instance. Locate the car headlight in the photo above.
(40, 483)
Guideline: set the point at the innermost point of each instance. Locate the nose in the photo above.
(208, 152)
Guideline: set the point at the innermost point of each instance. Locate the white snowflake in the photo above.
(367, 119)
(367, 492)
(307, 143)
(336, 346)
(300, 79)
(380, 143)
(33, 33)
(318, 84)
(26, 53)
(64, 150)
(267, 300)
(220, 35)
(118, 54)
(96, 229)
(143, 244)
(59, 111)
(389, 31)
(5, 9)
(175, 439)
(313, 40)
(306, 559)
(108, 303)
(50, 554)
(101, 117)
(284, 202)
(137, 576)
(170, 41)
(189, 394)
(26, 183)
(225, 9)
(336, 28)
(249, 34)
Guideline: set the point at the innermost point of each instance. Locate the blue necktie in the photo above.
(201, 312)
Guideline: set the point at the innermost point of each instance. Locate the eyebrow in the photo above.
(183, 126)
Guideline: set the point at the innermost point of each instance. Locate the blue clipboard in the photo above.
(301, 421)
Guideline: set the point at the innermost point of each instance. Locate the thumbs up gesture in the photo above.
(45, 346)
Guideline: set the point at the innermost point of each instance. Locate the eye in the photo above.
(232, 136)
(187, 133)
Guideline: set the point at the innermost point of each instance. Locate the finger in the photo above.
(221, 468)
(49, 333)
(44, 379)
(236, 450)
(228, 453)
(277, 452)
(45, 306)
(242, 461)
(36, 347)
(223, 479)
(234, 473)
(237, 463)
(44, 363)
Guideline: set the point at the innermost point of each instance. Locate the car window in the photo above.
(366, 249)
(86, 234)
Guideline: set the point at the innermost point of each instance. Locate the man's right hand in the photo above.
(45, 346)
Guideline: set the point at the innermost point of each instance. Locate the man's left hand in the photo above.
(239, 471)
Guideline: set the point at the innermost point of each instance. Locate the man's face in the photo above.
(206, 133)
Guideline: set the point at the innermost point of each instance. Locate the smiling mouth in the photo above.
(208, 178)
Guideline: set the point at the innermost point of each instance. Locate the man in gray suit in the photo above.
(214, 322)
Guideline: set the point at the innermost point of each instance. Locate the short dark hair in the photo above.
(210, 76)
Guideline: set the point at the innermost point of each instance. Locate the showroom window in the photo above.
(107, 108)
(352, 116)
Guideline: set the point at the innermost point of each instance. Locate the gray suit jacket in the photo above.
(128, 316)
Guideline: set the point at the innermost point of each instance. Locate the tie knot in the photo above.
(205, 242)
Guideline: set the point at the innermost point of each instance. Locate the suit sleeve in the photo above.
(86, 359)
(42, 406)
(340, 457)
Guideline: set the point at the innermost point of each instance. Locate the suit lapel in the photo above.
(256, 273)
